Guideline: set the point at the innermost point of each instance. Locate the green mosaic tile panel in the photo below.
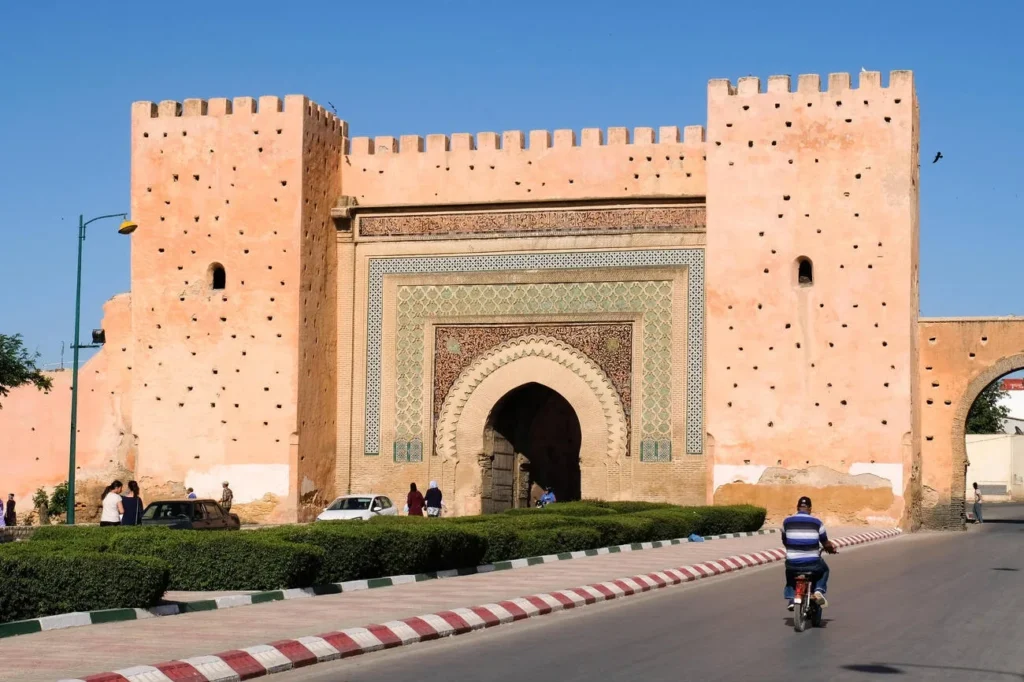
(652, 299)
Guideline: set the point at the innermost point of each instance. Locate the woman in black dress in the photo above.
(132, 504)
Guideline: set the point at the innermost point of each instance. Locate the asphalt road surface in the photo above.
(926, 607)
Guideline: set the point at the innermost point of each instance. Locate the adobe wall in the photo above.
(216, 377)
(365, 277)
(322, 146)
(35, 426)
(515, 166)
(489, 312)
(810, 388)
(456, 201)
(959, 358)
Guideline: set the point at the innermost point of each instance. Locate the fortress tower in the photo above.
(234, 296)
(813, 289)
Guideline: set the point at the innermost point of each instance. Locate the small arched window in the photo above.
(804, 271)
(218, 278)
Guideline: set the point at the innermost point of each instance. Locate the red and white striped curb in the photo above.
(276, 657)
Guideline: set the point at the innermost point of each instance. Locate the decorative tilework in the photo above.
(691, 258)
(609, 345)
(656, 450)
(520, 223)
(551, 350)
(408, 450)
(652, 299)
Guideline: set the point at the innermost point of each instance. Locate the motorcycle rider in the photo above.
(804, 538)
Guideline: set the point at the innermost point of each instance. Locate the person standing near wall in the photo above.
(434, 500)
(414, 501)
(226, 497)
(10, 517)
(977, 505)
(191, 494)
(112, 507)
(131, 503)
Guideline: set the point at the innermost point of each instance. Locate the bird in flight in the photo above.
(938, 156)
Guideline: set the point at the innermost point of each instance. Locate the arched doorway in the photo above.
(531, 441)
(466, 411)
(991, 439)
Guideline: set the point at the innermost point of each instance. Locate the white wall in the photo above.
(996, 459)
(1017, 471)
(990, 461)
(1015, 401)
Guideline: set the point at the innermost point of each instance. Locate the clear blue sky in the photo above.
(70, 70)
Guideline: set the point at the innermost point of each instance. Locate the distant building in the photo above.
(1014, 399)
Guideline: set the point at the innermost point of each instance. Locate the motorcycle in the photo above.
(806, 609)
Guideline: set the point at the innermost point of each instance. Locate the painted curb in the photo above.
(82, 618)
(288, 654)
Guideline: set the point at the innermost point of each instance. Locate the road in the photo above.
(928, 607)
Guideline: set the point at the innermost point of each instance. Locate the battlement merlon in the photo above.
(899, 81)
(267, 105)
(535, 140)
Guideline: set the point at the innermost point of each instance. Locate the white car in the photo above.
(358, 507)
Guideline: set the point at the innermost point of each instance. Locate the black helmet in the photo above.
(804, 502)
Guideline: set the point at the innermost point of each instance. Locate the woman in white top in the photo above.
(112, 508)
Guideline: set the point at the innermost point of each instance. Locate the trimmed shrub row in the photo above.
(199, 560)
(39, 580)
(74, 568)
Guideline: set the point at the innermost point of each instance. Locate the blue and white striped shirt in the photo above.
(803, 536)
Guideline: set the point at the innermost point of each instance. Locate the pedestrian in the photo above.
(977, 505)
(10, 517)
(111, 503)
(131, 506)
(434, 500)
(191, 494)
(414, 501)
(226, 497)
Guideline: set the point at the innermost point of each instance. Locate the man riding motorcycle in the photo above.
(804, 538)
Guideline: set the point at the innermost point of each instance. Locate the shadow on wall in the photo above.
(838, 498)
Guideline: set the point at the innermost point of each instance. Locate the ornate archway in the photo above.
(461, 426)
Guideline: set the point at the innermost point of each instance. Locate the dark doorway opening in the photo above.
(531, 441)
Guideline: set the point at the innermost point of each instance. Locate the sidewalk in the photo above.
(79, 652)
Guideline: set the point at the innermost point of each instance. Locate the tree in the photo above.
(987, 414)
(18, 366)
(59, 499)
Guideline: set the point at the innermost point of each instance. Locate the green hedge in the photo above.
(586, 509)
(557, 540)
(37, 580)
(226, 561)
(328, 552)
(356, 550)
(94, 538)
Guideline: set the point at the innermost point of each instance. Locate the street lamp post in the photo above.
(127, 227)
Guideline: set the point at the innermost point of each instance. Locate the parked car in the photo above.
(189, 515)
(358, 507)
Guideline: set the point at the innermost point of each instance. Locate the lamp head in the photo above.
(127, 227)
